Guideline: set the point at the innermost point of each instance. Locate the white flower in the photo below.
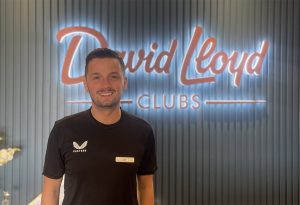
(7, 155)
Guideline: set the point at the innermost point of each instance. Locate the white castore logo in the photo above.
(79, 148)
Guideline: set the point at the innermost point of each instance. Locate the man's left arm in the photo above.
(145, 190)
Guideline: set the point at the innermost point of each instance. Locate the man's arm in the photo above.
(145, 189)
(50, 194)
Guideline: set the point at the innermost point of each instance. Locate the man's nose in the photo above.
(105, 82)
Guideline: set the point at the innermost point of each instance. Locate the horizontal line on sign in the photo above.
(128, 101)
(221, 102)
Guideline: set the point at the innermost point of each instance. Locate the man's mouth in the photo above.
(105, 93)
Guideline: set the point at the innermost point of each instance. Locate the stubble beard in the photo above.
(115, 102)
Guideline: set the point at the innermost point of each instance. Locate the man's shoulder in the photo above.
(136, 121)
(73, 119)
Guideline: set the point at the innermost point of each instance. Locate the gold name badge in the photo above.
(125, 159)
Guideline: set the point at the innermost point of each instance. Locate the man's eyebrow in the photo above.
(114, 73)
(95, 73)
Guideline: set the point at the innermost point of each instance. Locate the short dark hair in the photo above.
(103, 53)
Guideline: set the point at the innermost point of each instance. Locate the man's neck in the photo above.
(106, 116)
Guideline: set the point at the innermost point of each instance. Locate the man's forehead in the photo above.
(104, 66)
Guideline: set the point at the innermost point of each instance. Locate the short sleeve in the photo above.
(54, 164)
(148, 164)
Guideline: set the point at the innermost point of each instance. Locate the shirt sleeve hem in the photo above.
(53, 176)
(147, 172)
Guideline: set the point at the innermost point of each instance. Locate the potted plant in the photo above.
(6, 155)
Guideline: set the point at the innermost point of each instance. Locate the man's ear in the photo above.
(85, 85)
(125, 83)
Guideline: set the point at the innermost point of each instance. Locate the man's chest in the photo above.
(102, 153)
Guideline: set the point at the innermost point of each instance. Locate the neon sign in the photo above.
(207, 64)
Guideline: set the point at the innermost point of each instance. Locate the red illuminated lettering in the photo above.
(251, 63)
(196, 101)
(218, 61)
(142, 105)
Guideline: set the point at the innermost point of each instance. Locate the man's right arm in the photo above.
(50, 194)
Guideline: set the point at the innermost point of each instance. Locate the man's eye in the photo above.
(114, 77)
(95, 78)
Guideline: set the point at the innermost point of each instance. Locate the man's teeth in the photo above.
(106, 94)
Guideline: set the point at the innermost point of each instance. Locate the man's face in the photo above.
(105, 82)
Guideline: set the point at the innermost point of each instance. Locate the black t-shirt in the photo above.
(100, 162)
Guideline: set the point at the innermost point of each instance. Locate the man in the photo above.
(106, 154)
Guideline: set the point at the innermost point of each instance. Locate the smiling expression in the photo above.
(105, 82)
